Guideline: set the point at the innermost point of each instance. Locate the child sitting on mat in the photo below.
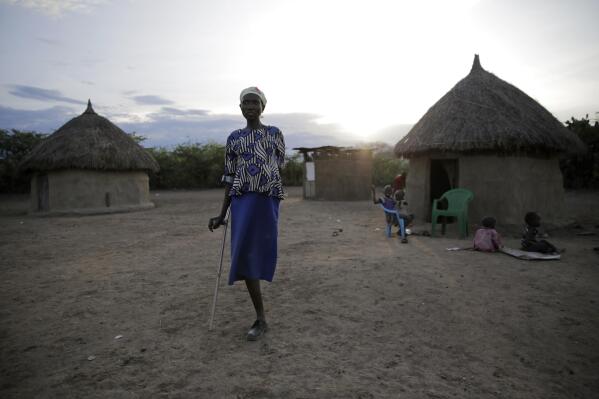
(487, 239)
(529, 238)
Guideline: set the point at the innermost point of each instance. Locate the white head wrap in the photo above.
(253, 90)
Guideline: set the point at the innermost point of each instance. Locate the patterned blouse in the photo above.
(253, 158)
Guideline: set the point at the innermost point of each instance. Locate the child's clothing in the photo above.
(390, 203)
(487, 240)
(408, 218)
(529, 242)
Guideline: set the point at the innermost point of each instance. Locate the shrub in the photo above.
(14, 145)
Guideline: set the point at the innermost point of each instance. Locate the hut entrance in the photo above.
(444, 177)
(42, 193)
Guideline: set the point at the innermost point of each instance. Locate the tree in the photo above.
(14, 145)
(137, 138)
(292, 173)
(582, 170)
(188, 166)
(385, 165)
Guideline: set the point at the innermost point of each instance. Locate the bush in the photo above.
(189, 166)
(385, 166)
(384, 169)
(14, 145)
(293, 171)
(582, 170)
(194, 166)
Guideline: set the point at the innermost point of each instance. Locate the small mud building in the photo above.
(490, 137)
(336, 173)
(89, 166)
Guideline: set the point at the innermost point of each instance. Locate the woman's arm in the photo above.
(219, 220)
(228, 178)
(280, 149)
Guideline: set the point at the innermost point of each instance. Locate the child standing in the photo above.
(401, 207)
(487, 239)
(390, 203)
(387, 201)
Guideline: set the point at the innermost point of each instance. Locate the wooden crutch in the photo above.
(220, 269)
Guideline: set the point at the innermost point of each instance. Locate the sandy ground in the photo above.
(353, 315)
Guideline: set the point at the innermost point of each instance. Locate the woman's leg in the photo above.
(259, 326)
(253, 287)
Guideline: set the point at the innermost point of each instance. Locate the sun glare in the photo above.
(363, 67)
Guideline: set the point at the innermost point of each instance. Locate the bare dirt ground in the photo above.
(116, 306)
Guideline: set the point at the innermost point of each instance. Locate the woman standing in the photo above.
(253, 189)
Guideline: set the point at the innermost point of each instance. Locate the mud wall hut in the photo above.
(336, 173)
(488, 136)
(88, 166)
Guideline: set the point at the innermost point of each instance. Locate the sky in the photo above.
(334, 72)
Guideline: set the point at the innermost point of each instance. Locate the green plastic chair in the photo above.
(457, 206)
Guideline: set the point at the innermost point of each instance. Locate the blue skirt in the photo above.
(254, 219)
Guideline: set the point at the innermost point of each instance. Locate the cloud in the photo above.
(37, 93)
(171, 126)
(50, 42)
(392, 134)
(57, 8)
(304, 130)
(167, 112)
(91, 61)
(43, 121)
(151, 100)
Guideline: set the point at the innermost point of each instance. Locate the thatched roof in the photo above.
(89, 141)
(483, 113)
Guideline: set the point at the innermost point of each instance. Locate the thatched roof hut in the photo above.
(89, 141)
(490, 137)
(89, 165)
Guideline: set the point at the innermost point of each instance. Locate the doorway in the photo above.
(42, 193)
